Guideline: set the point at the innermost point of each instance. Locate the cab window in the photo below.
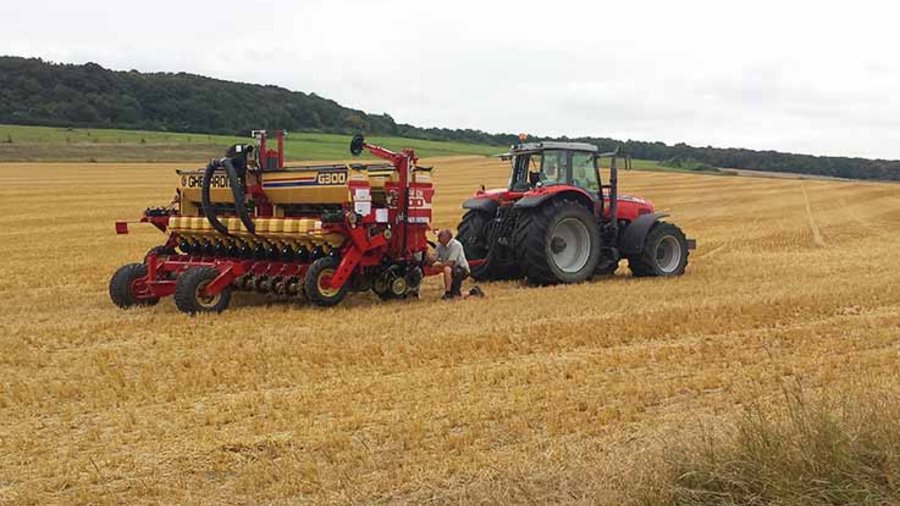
(554, 167)
(583, 172)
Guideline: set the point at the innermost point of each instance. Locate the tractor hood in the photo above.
(629, 207)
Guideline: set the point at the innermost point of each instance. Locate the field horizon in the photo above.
(532, 395)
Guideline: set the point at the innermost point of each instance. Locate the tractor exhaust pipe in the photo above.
(613, 185)
(614, 193)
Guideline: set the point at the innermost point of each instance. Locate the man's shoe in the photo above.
(476, 292)
(447, 296)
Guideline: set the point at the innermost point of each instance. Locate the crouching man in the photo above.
(451, 258)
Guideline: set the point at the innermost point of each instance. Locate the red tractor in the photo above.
(557, 222)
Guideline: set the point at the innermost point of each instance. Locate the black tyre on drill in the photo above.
(124, 284)
(319, 273)
(665, 253)
(382, 288)
(474, 234)
(189, 289)
(558, 242)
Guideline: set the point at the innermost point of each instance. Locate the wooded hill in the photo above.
(35, 92)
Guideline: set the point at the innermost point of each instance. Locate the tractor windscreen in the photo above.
(554, 168)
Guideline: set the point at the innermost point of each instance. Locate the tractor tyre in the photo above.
(189, 288)
(123, 283)
(558, 242)
(159, 251)
(473, 232)
(319, 272)
(665, 253)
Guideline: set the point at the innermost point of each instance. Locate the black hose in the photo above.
(237, 191)
(206, 201)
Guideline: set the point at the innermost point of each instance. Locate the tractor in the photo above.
(558, 222)
(246, 222)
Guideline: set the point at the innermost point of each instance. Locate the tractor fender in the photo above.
(633, 237)
(481, 204)
(532, 201)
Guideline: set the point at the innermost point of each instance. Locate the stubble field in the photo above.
(530, 395)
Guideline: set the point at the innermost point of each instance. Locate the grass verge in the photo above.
(803, 451)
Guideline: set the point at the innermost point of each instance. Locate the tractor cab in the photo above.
(541, 170)
(536, 165)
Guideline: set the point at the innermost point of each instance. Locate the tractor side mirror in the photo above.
(357, 144)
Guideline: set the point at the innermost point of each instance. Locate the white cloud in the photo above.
(796, 76)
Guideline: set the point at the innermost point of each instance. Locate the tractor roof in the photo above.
(537, 147)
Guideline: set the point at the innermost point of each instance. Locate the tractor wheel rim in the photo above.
(570, 245)
(206, 302)
(668, 254)
(322, 282)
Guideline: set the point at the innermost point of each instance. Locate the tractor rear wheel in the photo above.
(665, 253)
(317, 279)
(558, 242)
(125, 284)
(474, 234)
(189, 289)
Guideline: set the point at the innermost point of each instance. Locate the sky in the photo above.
(807, 77)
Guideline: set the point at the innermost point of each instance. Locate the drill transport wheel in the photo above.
(317, 279)
(125, 285)
(189, 288)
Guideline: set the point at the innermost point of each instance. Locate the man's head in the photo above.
(444, 236)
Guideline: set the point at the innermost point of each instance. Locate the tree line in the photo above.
(36, 92)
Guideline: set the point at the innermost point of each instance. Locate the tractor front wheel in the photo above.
(125, 287)
(189, 288)
(665, 253)
(318, 279)
(558, 242)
